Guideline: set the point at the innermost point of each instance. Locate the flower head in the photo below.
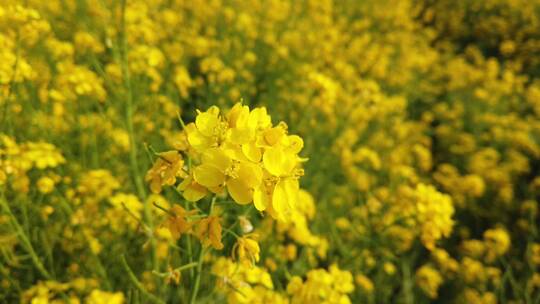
(246, 250)
(208, 230)
(165, 170)
(242, 153)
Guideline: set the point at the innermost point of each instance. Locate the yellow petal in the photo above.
(207, 123)
(274, 135)
(291, 189)
(252, 152)
(234, 151)
(258, 118)
(239, 191)
(306, 203)
(250, 174)
(260, 198)
(185, 183)
(280, 199)
(278, 162)
(273, 159)
(194, 192)
(217, 190)
(295, 144)
(243, 118)
(196, 138)
(215, 233)
(208, 175)
(217, 158)
(235, 113)
(155, 186)
(241, 135)
(214, 110)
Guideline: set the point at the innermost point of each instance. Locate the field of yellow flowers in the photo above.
(269, 151)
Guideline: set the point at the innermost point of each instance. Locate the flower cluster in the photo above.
(434, 212)
(322, 286)
(242, 152)
(76, 291)
(255, 161)
(245, 284)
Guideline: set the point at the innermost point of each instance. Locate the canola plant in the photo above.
(269, 151)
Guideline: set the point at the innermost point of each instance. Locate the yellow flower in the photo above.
(208, 230)
(103, 297)
(173, 276)
(343, 279)
(364, 282)
(165, 170)
(98, 184)
(129, 201)
(535, 254)
(3, 177)
(183, 81)
(429, 280)
(85, 42)
(118, 215)
(473, 248)
(206, 131)
(246, 250)
(445, 262)
(178, 223)
(472, 271)
(191, 190)
(389, 268)
(241, 152)
(497, 243)
(218, 169)
(434, 212)
(278, 197)
(43, 155)
(322, 286)
(244, 283)
(342, 223)
(45, 185)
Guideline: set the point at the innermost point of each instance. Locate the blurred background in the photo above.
(420, 119)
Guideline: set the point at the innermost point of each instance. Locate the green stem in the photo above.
(129, 106)
(134, 163)
(197, 278)
(189, 247)
(200, 263)
(25, 240)
(184, 267)
(138, 284)
(181, 268)
(229, 230)
(407, 282)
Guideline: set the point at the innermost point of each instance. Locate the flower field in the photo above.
(269, 151)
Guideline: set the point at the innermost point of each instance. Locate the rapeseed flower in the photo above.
(208, 230)
(165, 170)
(246, 250)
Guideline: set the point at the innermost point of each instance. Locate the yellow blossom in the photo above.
(45, 185)
(103, 297)
(429, 280)
(246, 250)
(208, 230)
(178, 222)
(165, 170)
